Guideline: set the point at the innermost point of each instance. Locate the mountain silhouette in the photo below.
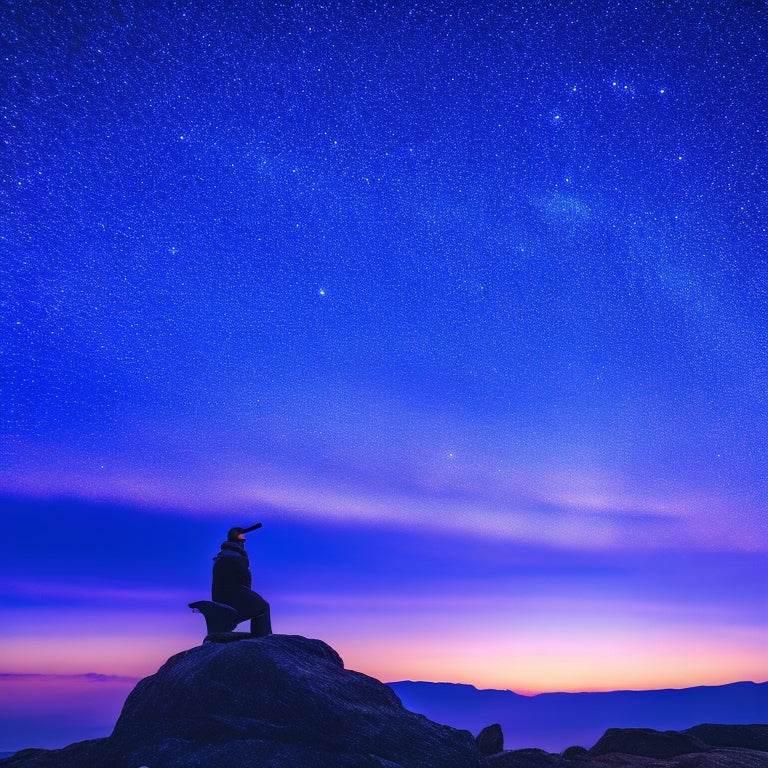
(555, 721)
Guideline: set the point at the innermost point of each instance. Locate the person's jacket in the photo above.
(231, 573)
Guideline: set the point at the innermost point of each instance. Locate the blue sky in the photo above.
(465, 301)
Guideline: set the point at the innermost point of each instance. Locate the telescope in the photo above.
(252, 528)
(238, 534)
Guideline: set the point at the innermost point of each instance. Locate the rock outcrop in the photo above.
(647, 743)
(271, 701)
(286, 701)
(490, 740)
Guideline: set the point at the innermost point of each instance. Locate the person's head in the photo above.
(236, 536)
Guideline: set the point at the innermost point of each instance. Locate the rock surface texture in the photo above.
(273, 701)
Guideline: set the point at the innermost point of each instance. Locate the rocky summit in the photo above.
(274, 701)
(285, 701)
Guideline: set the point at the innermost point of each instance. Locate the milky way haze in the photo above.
(464, 300)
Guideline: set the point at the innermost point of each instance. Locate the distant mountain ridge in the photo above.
(555, 721)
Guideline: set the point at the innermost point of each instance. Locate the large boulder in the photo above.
(272, 701)
(647, 743)
(490, 740)
(704, 746)
(576, 753)
(744, 736)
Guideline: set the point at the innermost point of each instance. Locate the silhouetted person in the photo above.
(232, 583)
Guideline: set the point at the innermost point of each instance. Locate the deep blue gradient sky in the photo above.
(465, 300)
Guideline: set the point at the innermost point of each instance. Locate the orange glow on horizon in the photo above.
(528, 669)
(555, 650)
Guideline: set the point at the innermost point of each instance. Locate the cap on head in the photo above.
(236, 535)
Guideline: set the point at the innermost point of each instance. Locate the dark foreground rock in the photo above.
(528, 758)
(719, 758)
(490, 740)
(647, 743)
(274, 702)
(705, 746)
(742, 736)
(576, 753)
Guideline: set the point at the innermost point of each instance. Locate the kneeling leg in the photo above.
(261, 625)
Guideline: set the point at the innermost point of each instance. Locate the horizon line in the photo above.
(99, 677)
(580, 691)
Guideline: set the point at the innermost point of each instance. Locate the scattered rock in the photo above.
(490, 740)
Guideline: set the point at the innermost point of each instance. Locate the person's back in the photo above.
(231, 572)
(231, 583)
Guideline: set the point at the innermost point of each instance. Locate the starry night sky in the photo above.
(464, 300)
